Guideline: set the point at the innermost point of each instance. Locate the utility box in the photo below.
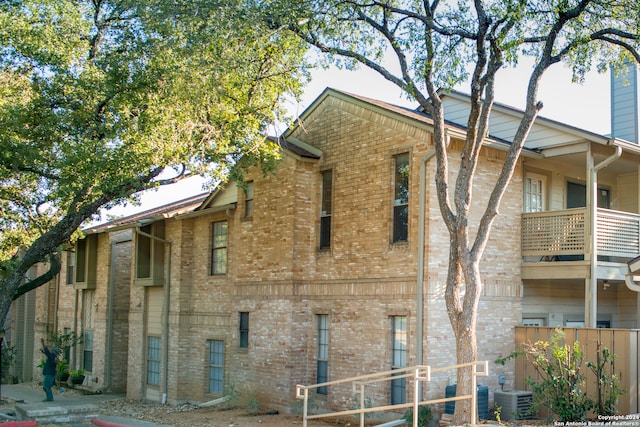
(482, 400)
(514, 404)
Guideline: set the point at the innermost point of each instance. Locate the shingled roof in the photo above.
(164, 211)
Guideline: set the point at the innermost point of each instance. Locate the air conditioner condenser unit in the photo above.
(513, 404)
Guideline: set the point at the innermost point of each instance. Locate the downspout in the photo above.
(56, 305)
(422, 200)
(631, 284)
(75, 326)
(591, 302)
(165, 309)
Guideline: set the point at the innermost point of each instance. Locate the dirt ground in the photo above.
(193, 416)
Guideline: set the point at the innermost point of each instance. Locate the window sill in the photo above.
(402, 246)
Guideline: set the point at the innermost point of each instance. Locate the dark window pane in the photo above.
(327, 189)
(400, 223)
(219, 248)
(321, 376)
(153, 360)
(325, 232)
(244, 329)
(216, 366)
(398, 391)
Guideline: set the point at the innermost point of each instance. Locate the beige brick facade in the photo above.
(277, 274)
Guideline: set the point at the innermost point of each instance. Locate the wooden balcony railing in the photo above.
(557, 233)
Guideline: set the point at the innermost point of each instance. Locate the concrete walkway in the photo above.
(77, 410)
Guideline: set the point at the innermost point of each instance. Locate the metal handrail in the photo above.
(420, 373)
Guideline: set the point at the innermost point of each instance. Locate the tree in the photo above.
(426, 47)
(101, 99)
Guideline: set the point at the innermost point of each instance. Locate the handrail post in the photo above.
(474, 396)
(415, 396)
(362, 405)
(305, 407)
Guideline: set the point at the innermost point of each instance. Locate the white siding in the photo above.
(504, 126)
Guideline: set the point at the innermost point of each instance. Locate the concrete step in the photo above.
(54, 412)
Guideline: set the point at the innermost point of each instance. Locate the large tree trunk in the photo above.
(463, 276)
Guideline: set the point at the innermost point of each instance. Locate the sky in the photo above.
(585, 106)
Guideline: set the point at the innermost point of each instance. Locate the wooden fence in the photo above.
(624, 343)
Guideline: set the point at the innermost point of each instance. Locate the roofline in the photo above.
(362, 102)
(512, 111)
(149, 215)
(421, 120)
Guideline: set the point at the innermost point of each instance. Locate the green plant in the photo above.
(424, 416)
(233, 395)
(65, 341)
(608, 386)
(62, 367)
(76, 372)
(497, 413)
(8, 357)
(298, 406)
(561, 386)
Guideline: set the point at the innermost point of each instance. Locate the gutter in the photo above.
(591, 300)
(421, 262)
(165, 308)
(631, 283)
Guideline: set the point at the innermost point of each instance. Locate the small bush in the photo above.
(424, 416)
(561, 385)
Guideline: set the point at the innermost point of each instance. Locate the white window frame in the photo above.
(541, 195)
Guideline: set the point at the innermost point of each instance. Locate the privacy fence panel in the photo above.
(624, 343)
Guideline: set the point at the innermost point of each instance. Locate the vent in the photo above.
(516, 405)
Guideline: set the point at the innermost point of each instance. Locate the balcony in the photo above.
(561, 239)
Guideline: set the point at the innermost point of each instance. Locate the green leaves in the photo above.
(98, 98)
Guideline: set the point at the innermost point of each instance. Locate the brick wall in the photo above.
(276, 273)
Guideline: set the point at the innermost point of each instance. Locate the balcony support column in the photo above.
(591, 283)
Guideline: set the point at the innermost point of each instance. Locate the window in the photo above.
(153, 360)
(150, 254)
(71, 262)
(322, 375)
(244, 329)
(86, 262)
(216, 366)
(538, 321)
(401, 199)
(398, 358)
(248, 200)
(325, 212)
(577, 196)
(87, 354)
(534, 193)
(219, 248)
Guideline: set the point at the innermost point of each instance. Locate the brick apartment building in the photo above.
(311, 274)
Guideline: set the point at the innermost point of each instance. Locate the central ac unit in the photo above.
(514, 404)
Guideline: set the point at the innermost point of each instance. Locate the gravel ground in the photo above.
(189, 415)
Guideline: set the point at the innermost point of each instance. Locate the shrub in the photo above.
(609, 389)
(424, 416)
(561, 384)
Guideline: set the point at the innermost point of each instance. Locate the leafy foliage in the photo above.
(561, 383)
(102, 99)
(608, 388)
(424, 416)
